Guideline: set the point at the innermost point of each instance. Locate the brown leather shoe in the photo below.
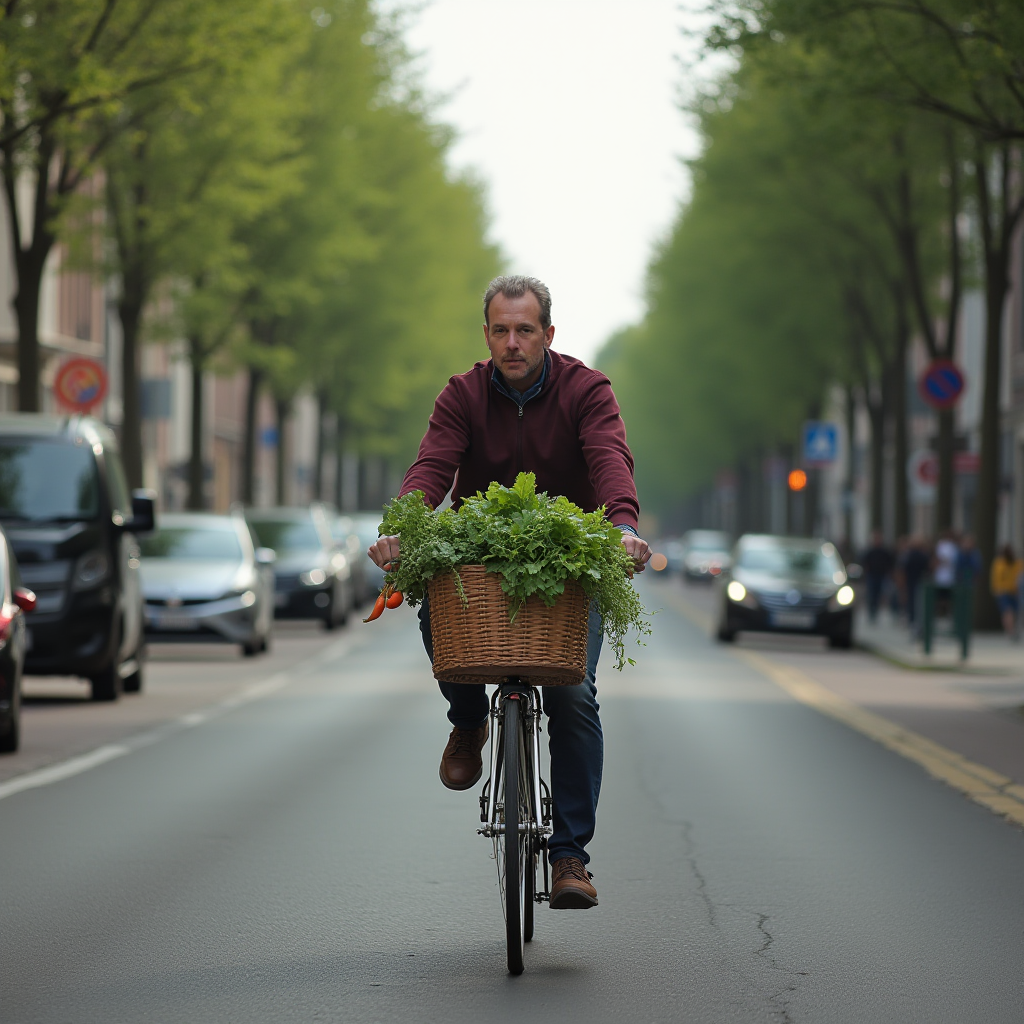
(461, 764)
(570, 885)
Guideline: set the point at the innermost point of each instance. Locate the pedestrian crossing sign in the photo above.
(821, 443)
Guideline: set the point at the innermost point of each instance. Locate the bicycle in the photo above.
(515, 807)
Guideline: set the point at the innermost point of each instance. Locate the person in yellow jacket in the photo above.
(1004, 581)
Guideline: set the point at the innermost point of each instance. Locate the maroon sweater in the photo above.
(570, 435)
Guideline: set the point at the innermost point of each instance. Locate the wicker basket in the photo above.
(476, 643)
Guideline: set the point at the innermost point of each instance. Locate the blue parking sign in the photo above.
(821, 443)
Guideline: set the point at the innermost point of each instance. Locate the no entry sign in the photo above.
(941, 384)
(80, 385)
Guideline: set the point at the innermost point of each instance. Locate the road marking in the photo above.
(101, 755)
(986, 787)
(62, 770)
(983, 785)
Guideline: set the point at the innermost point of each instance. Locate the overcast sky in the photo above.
(567, 111)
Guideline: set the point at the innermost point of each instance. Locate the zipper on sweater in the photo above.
(519, 441)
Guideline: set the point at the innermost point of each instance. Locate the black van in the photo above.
(68, 515)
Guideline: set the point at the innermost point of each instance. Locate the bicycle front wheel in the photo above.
(515, 839)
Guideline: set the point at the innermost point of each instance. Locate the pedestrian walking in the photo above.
(916, 563)
(878, 562)
(968, 561)
(946, 553)
(1004, 580)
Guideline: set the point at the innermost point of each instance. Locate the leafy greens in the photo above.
(535, 542)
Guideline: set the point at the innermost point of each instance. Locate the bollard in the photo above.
(927, 592)
(963, 616)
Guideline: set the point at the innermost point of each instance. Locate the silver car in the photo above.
(204, 578)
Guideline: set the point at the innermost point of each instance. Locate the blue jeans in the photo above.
(576, 742)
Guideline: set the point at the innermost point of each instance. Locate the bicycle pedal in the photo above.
(542, 897)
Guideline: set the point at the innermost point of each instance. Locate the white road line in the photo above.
(62, 770)
(94, 758)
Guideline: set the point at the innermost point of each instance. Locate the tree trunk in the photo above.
(26, 310)
(195, 462)
(999, 217)
(129, 311)
(901, 499)
(281, 408)
(986, 514)
(321, 448)
(249, 441)
(851, 427)
(876, 418)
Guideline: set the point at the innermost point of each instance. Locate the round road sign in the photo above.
(941, 384)
(80, 385)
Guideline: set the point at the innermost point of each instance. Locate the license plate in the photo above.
(793, 620)
(176, 622)
(280, 600)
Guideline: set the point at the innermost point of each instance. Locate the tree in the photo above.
(69, 69)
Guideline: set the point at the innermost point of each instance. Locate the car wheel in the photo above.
(251, 650)
(107, 685)
(726, 635)
(133, 683)
(10, 739)
(841, 641)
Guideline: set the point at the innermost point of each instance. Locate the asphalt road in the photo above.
(286, 853)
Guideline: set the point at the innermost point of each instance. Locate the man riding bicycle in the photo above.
(528, 409)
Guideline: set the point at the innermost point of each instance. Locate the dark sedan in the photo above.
(786, 585)
(313, 577)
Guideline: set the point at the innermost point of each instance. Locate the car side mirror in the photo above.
(143, 512)
(266, 556)
(25, 599)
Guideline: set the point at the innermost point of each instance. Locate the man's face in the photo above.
(516, 339)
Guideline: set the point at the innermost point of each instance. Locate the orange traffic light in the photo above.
(797, 479)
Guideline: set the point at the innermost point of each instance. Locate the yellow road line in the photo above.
(984, 786)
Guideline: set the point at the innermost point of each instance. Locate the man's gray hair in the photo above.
(515, 286)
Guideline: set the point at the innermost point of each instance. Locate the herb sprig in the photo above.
(534, 541)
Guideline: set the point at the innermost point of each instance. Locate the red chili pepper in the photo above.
(378, 608)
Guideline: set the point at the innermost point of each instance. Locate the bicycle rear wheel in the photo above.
(515, 842)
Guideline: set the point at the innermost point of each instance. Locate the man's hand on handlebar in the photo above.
(384, 551)
(638, 548)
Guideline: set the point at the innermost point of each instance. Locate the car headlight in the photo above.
(91, 570)
(248, 599)
(736, 591)
(313, 578)
(844, 596)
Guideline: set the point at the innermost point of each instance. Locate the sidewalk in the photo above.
(989, 653)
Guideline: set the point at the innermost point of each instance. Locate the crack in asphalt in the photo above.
(779, 999)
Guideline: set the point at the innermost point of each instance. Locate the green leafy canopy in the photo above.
(535, 542)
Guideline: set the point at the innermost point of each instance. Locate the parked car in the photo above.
(705, 554)
(786, 585)
(72, 524)
(366, 525)
(15, 600)
(343, 531)
(313, 579)
(205, 579)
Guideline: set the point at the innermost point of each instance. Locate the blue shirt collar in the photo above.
(521, 397)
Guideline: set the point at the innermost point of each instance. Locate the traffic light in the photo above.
(797, 479)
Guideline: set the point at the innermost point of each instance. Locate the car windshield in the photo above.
(286, 534)
(784, 561)
(193, 542)
(48, 481)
